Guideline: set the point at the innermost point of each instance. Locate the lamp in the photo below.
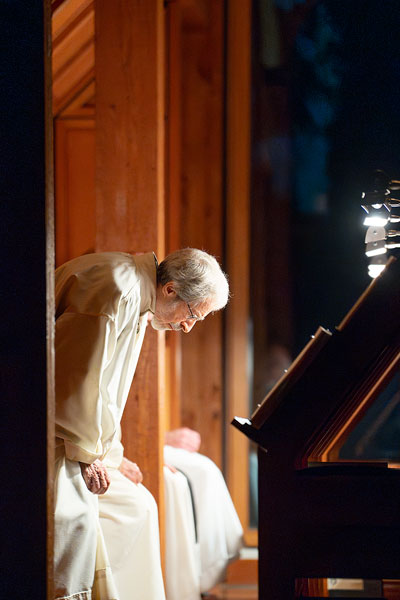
(376, 266)
(377, 215)
(393, 239)
(382, 208)
(375, 240)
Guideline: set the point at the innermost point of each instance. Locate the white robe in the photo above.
(219, 532)
(192, 566)
(182, 550)
(101, 305)
(129, 522)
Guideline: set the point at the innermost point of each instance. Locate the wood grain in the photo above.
(130, 189)
(201, 219)
(238, 250)
(75, 189)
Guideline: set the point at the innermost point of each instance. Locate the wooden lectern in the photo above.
(321, 519)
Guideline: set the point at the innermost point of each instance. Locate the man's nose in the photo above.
(187, 326)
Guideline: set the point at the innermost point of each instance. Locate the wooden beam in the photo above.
(55, 5)
(202, 207)
(195, 14)
(130, 189)
(82, 105)
(173, 180)
(66, 13)
(73, 78)
(67, 48)
(238, 245)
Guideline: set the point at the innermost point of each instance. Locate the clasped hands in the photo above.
(96, 476)
(97, 479)
(184, 438)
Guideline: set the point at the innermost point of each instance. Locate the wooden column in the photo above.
(202, 106)
(173, 194)
(238, 247)
(130, 188)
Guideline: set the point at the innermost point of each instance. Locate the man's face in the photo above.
(173, 313)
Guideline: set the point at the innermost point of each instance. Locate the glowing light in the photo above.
(375, 270)
(375, 221)
(375, 241)
(376, 249)
(392, 244)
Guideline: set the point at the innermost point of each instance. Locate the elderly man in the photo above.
(102, 301)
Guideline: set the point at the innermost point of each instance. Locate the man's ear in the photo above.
(168, 290)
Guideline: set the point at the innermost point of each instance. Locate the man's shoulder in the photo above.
(99, 259)
(96, 282)
(104, 266)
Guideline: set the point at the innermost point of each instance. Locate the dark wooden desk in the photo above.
(333, 520)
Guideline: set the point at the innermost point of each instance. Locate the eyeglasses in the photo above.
(191, 315)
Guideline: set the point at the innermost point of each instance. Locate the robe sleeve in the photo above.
(84, 346)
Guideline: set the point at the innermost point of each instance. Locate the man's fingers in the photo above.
(103, 479)
(108, 480)
(171, 468)
(137, 474)
(96, 478)
(104, 483)
(130, 470)
(94, 481)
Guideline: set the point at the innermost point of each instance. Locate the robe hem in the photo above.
(104, 586)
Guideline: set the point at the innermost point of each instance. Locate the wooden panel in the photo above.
(73, 78)
(67, 14)
(391, 589)
(343, 430)
(174, 132)
(237, 227)
(73, 53)
(243, 571)
(130, 188)
(82, 105)
(65, 49)
(75, 188)
(173, 175)
(232, 591)
(195, 13)
(202, 214)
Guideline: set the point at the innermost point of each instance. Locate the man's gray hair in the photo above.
(197, 277)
